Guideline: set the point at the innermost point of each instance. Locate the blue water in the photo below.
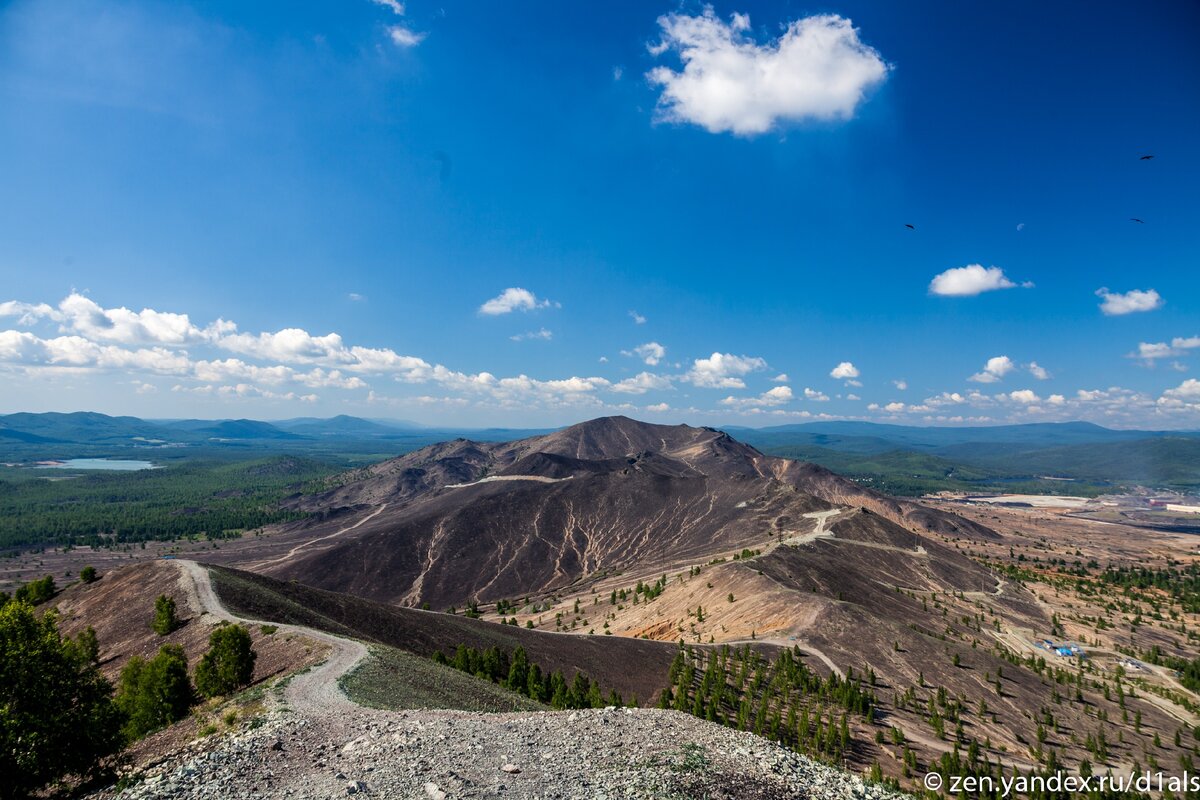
(125, 465)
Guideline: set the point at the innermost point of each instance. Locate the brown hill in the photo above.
(462, 520)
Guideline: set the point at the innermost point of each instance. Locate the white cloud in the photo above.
(650, 352)
(356, 297)
(513, 299)
(1025, 396)
(813, 394)
(995, 369)
(844, 371)
(641, 383)
(637, 318)
(27, 313)
(772, 397)
(818, 68)
(396, 6)
(853, 396)
(658, 407)
(1179, 346)
(970, 280)
(1039, 372)
(1116, 304)
(403, 36)
(780, 378)
(1184, 397)
(723, 370)
(81, 315)
(900, 384)
(540, 333)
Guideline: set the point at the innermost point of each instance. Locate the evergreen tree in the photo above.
(229, 663)
(153, 694)
(165, 620)
(57, 718)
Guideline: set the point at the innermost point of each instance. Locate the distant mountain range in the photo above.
(910, 460)
(895, 458)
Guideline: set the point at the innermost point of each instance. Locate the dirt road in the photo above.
(315, 691)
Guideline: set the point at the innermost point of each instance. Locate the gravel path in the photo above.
(315, 692)
(320, 745)
(603, 753)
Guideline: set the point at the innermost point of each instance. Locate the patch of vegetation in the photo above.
(782, 699)
(229, 663)
(165, 619)
(392, 679)
(520, 675)
(57, 717)
(210, 499)
(37, 591)
(153, 694)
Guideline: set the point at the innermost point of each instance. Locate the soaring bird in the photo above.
(1145, 158)
(910, 227)
(1138, 221)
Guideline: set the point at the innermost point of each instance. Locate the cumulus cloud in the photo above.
(1179, 346)
(395, 6)
(658, 407)
(772, 397)
(650, 352)
(995, 369)
(513, 299)
(900, 384)
(637, 318)
(540, 333)
(971, 280)
(844, 371)
(813, 394)
(1184, 397)
(1115, 304)
(780, 378)
(1025, 396)
(818, 68)
(403, 36)
(1039, 372)
(641, 383)
(723, 370)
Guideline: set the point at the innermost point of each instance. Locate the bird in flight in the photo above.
(1138, 221)
(910, 227)
(1145, 158)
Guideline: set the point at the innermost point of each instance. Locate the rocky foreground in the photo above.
(609, 753)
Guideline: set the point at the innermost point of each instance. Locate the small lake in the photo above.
(119, 464)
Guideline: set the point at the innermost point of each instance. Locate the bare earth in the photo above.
(314, 743)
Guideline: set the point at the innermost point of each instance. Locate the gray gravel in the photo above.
(608, 753)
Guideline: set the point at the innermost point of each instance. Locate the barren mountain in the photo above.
(462, 521)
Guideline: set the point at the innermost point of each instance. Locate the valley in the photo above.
(675, 566)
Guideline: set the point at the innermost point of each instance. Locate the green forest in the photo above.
(211, 499)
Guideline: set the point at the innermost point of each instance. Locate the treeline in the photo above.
(190, 500)
(1183, 585)
(61, 720)
(520, 675)
(782, 700)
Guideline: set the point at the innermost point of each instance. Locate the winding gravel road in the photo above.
(314, 692)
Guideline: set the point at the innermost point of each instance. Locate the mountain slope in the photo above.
(483, 521)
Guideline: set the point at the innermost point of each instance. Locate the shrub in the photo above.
(155, 693)
(165, 620)
(229, 663)
(88, 574)
(38, 591)
(51, 694)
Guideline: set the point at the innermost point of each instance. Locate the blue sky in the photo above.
(680, 212)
